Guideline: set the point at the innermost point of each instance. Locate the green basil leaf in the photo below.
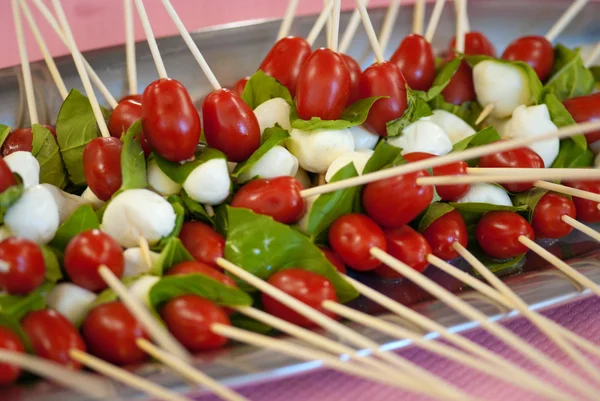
(247, 323)
(133, 160)
(179, 209)
(468, 111)
(443, 77)
(179, 172)
(434, 211)
(221, 220)
(562, 118)
(9, 197)
(4, 131)
(569, 77)
(485, 136)
(416, 108)
(195, 209)
(530, 199)
(40, 134)
(384, 155)
(353, 115)
(53, 270)
(472, 211)
(595, 70)
(45, 149)
(273, 136)
(12, 324)
(173, 252)
(500, 267)
(84, 218)
(17, 306)
(261, 87)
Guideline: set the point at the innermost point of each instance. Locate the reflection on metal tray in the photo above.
(235, 51)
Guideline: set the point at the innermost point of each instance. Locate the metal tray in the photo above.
(235, 50)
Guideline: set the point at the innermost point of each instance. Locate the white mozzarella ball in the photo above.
(316, 150)
(71, 301)
(34, 216)
(138, 212)
(363, 139)
(595, 147)
(535, 121)
(277, 162)
(304, 179)
(455, 127)
(273, 111)
(359, 158)
(303, 223)
(141, 287)
(423, 136)
(66, 202)
(486, 193)
(90, 198)
(135, 263)
(503, 85)
(26, 165)
(159, 181)
(209, 183)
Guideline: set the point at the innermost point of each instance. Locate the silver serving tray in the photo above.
(236, 50)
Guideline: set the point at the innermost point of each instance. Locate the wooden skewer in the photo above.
(288, 18)
(189, 372)
(418, 17)
(319, 23)
(388, 24)
(461, 21)
(158, 61)
(27, 80)
(563, 189)
(540, 172)
(590, 232)
(209, 210)
(126, 377)
(77, 58)
(335, 26)
(350, 31)
(329, 22)
(594, 54)
(364, 15)
(506, 178)
(466, 18)
(130, 46)
(83, 383)
(145, 250)
(565, 19)
(487, 110)
(434, 20)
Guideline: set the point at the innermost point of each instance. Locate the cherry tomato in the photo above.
(170, 120)
(475, 44)
(461, 88)
(86, 252)
(7, 178)
(546, 220)
(189, 318)
(355, 72)
(536, 51)
(200, 268)
(584, 109)
(145, 146)
(396, 201)
(51, 129)
(515, 158)
(9, 341)
(110, 331)
(20, 140)
(408, 246)
(334, 259)
(136, 98)
(352, 236)
(444, 232)
(102, 166)
(446, 192)
(383, 79)
(52, 336)
(414, 57)
(417, 156)
(308, 287)
(323, 86)
(24, 269)
(202, 242)
(278, 197)
(230, 125)
(240, 85)
(285, 60)
(498, 234)
(123, 116)
(587, 210)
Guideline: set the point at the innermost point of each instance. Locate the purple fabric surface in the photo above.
(582, 317)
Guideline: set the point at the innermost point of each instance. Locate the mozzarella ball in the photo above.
(363, 139)
(501, 125)
(303, 223)
(535, 121)
(455, 127)
(159, 181)
(66, 202)
(304, 179)
(138, 212)
(273, 111)
(135, 263)
(141, 287)
(90, 198)
(423, 136)
(277, 162)
(503, 85)
(316, 150)
(359, 158)
(34, 216)
(486, 193)
(209, 183)
(71, 301)
(26, 165)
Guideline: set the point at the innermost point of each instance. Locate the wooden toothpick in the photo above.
(26, 71)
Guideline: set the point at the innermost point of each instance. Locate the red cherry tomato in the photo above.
(240, 85)
(110, 331)
(444, 232)
(308, 287)
(515, 158)
(20, 140)
(123, 116)
(200, 268)
(446, 192)
(9, 341)
(51, 129)
(334, 259)
(475, 44)
(584, 109)
(102, 166)
(285, 60)
(498, 234)
(587, 210)
(396, 201)
(230, 125)
(52, 336)
(136, 98)
(323, 86)
(355, 72)
(86, 252)
(383, 79)
(278, 197)
(461, 88)
(202, 242)
(25, 268)
(352, 236)
(536, 51)
(547, 216)
(414, 57)
(190, 317)
(7, 178)
(170, 120)
(417, 156)
(408, 246)
(145, 146)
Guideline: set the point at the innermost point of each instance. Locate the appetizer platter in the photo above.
(195, 225)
